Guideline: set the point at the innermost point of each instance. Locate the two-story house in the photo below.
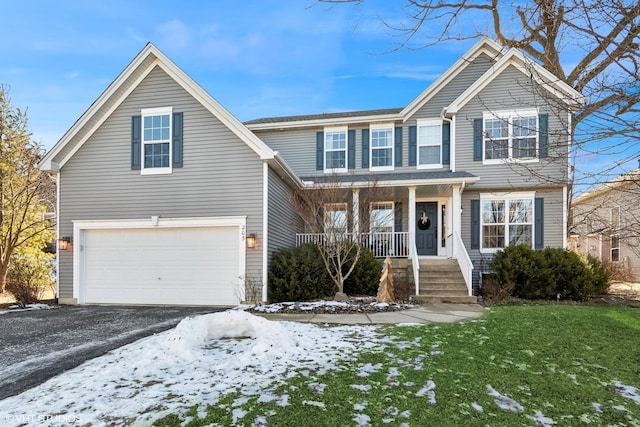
(605, 223)
(166, 198)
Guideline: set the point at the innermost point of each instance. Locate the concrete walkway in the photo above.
(427, 313)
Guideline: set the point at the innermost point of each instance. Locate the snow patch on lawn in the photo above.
(504, 402)
(627, 391)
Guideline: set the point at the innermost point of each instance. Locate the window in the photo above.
(615, 218)
(429, 143)
(156, 140)
(506, 220)
(335, 219)
(381, 148)
(335, 150)
(615, 247)
(510, 136)
(381, 217)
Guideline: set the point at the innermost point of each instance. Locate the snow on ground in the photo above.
(199, 361)
(26, 307)
(504, 402)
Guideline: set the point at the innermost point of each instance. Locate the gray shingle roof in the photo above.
(321, 116)
(392, 176)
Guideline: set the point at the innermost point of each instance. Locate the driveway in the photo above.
(39, 344)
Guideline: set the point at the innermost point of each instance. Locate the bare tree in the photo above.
(340, 221)
(592, 45)
(26, 193)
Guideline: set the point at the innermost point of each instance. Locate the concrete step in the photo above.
(451, 299)
(439, 291)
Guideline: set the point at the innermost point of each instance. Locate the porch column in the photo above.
(412, 217)
(355, 213)
(456, 210)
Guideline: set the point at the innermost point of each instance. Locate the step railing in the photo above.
(464, 262)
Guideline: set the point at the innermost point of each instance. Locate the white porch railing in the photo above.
(393, 244)
(466, 266)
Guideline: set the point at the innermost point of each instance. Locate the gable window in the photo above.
(382, 147)
(381, 218)
(335, 150)
(510, 136)
(429, 144)
(156, 140)
(335, 220)
(506, 220)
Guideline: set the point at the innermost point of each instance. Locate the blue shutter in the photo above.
(477, 139)
(136, 141)
(320, 151)
(543, 134)
(365, 148)
(475, 224)
(177, 140)
(538, 214)
(413, 145)
(397, 217)
(351, 149)
(446, 143)
(398, 147)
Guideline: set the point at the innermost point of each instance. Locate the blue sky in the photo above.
(256, 57)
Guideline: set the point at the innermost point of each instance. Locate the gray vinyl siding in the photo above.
(221, 176)
(553, 225)
(510, 91)
(472, 72)
(284, 222)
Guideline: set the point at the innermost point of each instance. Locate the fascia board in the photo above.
(340, 121)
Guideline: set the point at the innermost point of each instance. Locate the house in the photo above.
(605, 223)
(166, 198)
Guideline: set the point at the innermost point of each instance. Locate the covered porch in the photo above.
(417, 218)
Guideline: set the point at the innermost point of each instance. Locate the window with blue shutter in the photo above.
(136, 140)
(177, 140)
(543, 136)
(477, 139)
(351, 150)
(539, 223)
(475, 224)
(157, 141)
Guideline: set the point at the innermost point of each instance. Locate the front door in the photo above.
(427, 228)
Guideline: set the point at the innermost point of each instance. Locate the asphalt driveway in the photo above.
(39, 344)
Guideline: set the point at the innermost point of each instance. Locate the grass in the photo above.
(555, 361)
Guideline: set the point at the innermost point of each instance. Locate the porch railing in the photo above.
(466, 266)
(393, 244)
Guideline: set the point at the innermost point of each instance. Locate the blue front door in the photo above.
(427, 228)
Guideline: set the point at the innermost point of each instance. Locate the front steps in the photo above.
(441, 281)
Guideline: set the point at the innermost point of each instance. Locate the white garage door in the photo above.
(175, 266)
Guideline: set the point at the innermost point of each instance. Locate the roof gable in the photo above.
(149, 58)
(529, 68)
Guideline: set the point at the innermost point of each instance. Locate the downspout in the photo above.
(452, 139)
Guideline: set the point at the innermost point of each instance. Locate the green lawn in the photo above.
(559, 363)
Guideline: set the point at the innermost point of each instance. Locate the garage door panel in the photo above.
(183, 266)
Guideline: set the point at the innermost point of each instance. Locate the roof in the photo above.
(302, 118)
(616, 183)
(393, 179)
(148, 58)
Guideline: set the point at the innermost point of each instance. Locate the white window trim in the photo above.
(389, 203)
(611, 219)
(509, 115)
(382, 126)
(344, 130)
(428, 122)
(506, 197)
(155, 112)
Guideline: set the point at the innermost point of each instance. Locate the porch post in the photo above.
(412, 216)
(355, 213)
(456, 210)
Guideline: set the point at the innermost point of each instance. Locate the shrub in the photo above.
(365, 277)
(544, 274)
(29, 276)
(298, 274)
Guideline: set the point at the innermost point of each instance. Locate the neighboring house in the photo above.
(605, 222)
(159, 185)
